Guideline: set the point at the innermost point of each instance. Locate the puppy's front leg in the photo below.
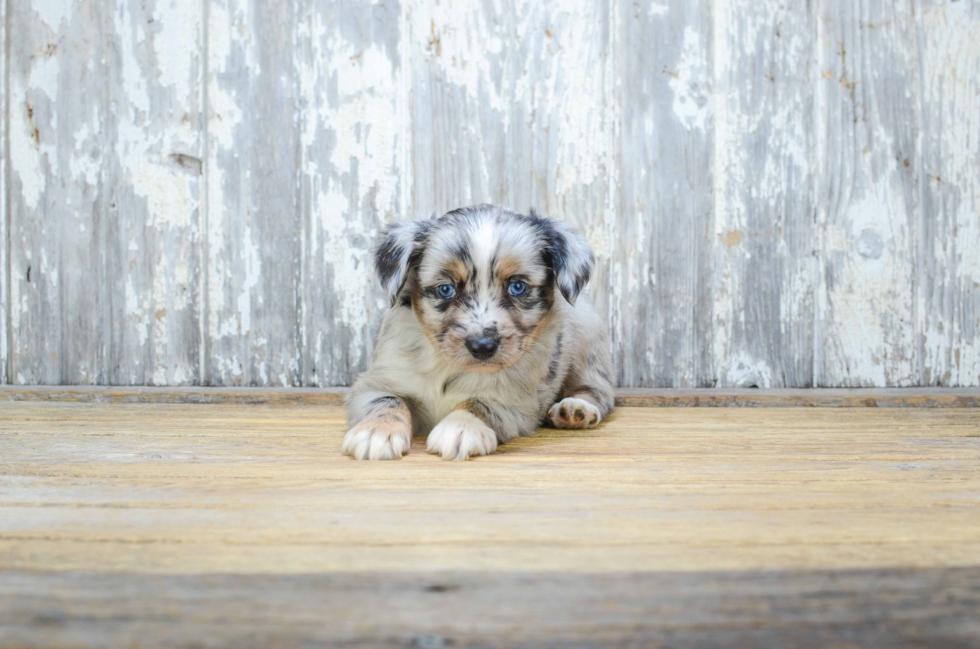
(587, 396)
(474, 427)
(383, 428)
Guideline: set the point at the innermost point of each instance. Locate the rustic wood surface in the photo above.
(219, 525)
(4, 234)
(779, 194)
(893, 608)
(625, 397)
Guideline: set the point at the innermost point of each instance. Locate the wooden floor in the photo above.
(241, 525)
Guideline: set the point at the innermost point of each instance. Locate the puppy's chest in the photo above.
(448, 389)
(522, 388)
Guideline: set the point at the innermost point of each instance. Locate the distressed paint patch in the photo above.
(54, 13)
(353, 141)
(33, 128)
(690, 82)
(949, 272)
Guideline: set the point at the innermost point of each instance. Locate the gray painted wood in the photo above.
(867, 115)
(4, 239)
(780, 195)
(354, 125)
(254, 225)
(661, 234)
(948, 278)
(511, 104)
(59, 312)
(764, 237)
(152, 171)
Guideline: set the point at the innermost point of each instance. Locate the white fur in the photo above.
(467, 409)
(461, 435)
(374, 439)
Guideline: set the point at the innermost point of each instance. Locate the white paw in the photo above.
(574, 413)
(461, 435)
(384, 438)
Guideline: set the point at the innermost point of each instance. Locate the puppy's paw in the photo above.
(381, 438)
(574, 413)
(461, 435)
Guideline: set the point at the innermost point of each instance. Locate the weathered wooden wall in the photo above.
(780, 194)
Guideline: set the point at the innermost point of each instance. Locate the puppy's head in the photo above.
(482, 280)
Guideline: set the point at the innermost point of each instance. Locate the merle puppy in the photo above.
(486, 338)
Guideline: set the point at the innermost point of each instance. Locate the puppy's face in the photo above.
(483, 281)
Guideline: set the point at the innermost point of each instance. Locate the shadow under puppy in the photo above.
(486, 337)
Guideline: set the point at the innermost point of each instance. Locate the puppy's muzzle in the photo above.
(484, 347)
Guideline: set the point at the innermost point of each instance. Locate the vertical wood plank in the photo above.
(763, 288)
(4, 240)
(660, 307)
(354, 135)
(153, 177)
(949, 232)
(511, 104)
(867, 112)
(57, 87)
(254, 234)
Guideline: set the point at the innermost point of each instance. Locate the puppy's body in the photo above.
(485, 340)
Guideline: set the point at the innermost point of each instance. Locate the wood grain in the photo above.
(4, 238)
(948, 276)
(152, 174)
(254, 220)
(895, 608)
(660, 238)
(354, 179)
(223, 489)
(520, 120)
(762, 288)
(625, 397)
(868, 112)
(165, 524)
(779, 195)
(58, 198)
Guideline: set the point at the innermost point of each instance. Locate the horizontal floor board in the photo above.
(895, 608)
(625, 397)
(234, 524)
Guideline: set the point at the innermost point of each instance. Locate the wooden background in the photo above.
(780, 193)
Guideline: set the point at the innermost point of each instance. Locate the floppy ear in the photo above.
(571, 258)
(401, 246)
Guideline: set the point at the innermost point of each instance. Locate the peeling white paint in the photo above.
(54, 12)
(33, 125)
(690, 82)
(533, 115)
(136, 307)
(176, 45)
(25, 156)
(747, 372)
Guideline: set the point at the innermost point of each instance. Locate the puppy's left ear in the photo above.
(571, 259)
(401, 246)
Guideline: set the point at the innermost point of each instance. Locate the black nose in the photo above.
(483, 348)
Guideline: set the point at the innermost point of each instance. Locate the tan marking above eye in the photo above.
(457, 270)
(453, 272)
(508, 267)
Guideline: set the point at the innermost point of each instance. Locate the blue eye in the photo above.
(446, 291)
(517, 289)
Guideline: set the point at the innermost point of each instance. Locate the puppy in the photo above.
(486, 338)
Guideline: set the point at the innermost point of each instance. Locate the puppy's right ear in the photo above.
(401, 246)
